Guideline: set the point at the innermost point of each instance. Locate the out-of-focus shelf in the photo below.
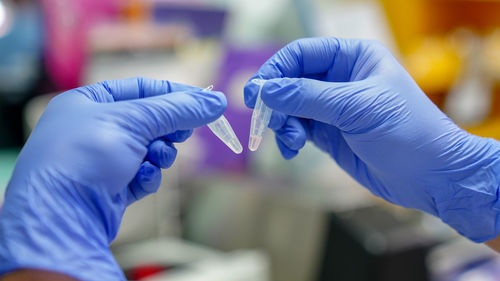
(124, 36)
(190, 261)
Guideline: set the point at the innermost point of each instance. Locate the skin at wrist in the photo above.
(494, 244)
(35, 275)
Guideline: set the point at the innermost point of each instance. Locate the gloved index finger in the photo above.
(301, 58)
(154, 117)
(140, 87)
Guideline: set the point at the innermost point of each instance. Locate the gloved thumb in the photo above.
(327, 102)
(153, 117)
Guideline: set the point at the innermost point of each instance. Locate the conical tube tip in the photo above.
(235, 146)
(254, 143)
(209, 88)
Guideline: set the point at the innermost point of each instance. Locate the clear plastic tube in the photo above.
(260, 118)
(223, 130)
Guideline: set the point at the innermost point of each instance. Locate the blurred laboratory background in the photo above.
(254, 216)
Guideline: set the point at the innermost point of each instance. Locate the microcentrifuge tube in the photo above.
(222, 129)
(260, 118)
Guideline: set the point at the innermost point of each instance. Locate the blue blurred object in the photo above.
(94, 151)
(21, 49)
(353, 100)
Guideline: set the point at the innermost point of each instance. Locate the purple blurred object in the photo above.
(237, 64)
(206, 21)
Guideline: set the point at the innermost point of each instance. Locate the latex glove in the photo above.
(95, 150)
(353, 100)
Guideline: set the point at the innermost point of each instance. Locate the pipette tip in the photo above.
(254, 143)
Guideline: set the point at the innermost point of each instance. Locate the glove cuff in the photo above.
(472, 205)
(40, 228)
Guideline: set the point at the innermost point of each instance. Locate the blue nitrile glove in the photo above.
(95, 150)
(353, 100)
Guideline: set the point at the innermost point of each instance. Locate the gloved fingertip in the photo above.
(146, 181)
(293, 140)
(300, 139)
(162, 153)
(277, 120)
(148, 173)
(290, 154)
(275, 91)
(292, 134)
(170, 153)
(285, 151)
(250, 93)
(218, 102)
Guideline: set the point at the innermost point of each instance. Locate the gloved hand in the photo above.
(95, 150)
(353, 100)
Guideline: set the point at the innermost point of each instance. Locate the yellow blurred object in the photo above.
(491, 60)
(491, 54)
(423, 29)
(407, 21)
(489, 129)
(434, 64)
(412, 20)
